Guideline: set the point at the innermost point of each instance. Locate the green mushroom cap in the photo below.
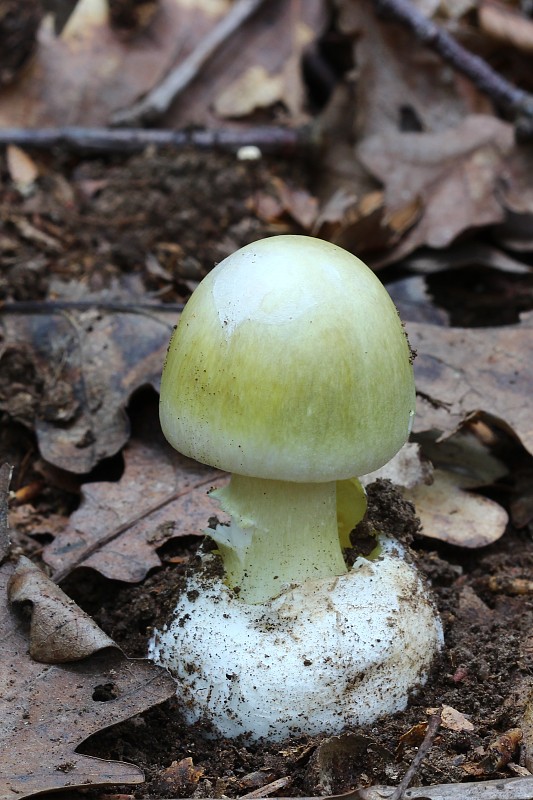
(290, 363)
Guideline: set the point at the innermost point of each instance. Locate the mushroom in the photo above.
(291, 370)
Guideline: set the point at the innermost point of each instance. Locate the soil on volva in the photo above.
(105, 217)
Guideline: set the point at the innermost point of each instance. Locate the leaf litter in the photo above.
(119, 527)
(62, 681)
(413, 119)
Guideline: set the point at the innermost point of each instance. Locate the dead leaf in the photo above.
(414, 302)
(401, 80)
(119, 526)
(22, 169)
(451, 719)
(435, 477)
(88, 72)
(255, 88)
(271, 43)
(506, 25)
(60, 631)
(413, 737)
(407, 468)
(454, 173)
(284, 200)
(455, 516)
(48, 710)
(517, 196)
(71, 374)
(464, 254)
(450, 506)
(460, 370)
(498, 754)
(181, 777)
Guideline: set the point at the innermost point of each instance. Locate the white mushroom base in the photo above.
(317, 658)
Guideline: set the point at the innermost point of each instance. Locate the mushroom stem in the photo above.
(280, 533)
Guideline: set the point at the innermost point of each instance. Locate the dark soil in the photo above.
(92, 226)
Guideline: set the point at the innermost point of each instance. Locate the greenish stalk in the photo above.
(281, 533)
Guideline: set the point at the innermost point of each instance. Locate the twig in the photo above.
(57, 306)
(269, 139)
(270, 788)
(507, 96)
(423, 750)
(159, 99)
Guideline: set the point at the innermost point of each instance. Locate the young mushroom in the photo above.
(291, 370)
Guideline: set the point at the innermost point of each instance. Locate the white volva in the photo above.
(324, 655)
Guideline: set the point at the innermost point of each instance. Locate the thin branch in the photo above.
(270, 788)
(58, 306)
(159, 99)
(503, 93)
(423, 750)
(268, 139)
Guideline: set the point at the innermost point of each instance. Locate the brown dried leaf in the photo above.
(88, 72)
(48, 711)
(399, 77)
(452, 515)
(454, 174)
(75, 373)
(413, 737)
(284, 200)
(435, 477)
(517, 196)
(460, 370)
(271, 44)
(451, 719)
(506, 24)
(180, 778)
(119, 526)
(407, 468)
(254, 89)
(60, 631)
(501, 751)
(22, 169)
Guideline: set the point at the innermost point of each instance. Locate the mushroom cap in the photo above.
(289, 362)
